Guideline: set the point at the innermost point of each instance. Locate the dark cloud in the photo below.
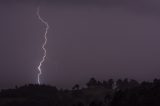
(137, 6)
(105, 39)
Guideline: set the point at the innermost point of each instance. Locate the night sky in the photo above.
(87, 38)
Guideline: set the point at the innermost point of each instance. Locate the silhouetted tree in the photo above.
(119, 84)
(128, 93)
(92, 83)
(110, 83)
(75, 87)
(133, 83)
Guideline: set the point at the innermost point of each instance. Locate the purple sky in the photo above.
(87, 38)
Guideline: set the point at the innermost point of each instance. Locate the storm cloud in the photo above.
(87, 38)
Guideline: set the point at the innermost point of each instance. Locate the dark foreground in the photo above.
(97, 93)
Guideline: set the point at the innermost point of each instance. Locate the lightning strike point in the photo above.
(43, 46)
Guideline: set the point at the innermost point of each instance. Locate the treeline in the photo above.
(122, 92)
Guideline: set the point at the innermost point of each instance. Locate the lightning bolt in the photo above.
(43, 46)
